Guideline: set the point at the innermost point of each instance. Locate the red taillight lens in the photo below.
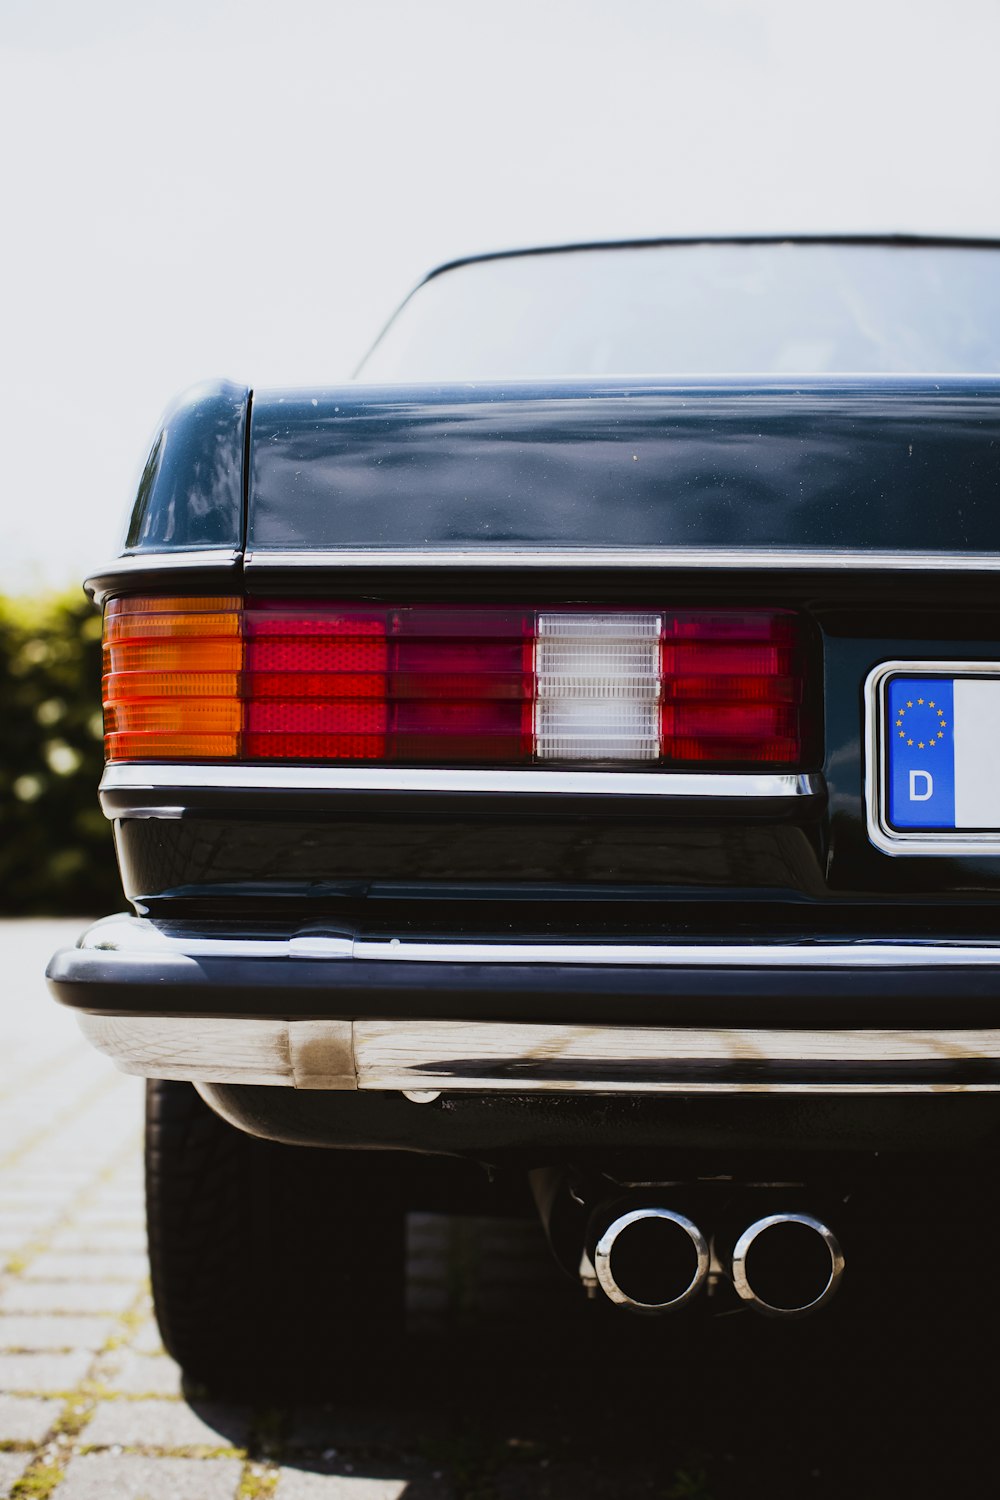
(732, 687)
(195, 679)
(342, 683)
(316, 683)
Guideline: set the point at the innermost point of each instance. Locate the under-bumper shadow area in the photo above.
(509, 1386)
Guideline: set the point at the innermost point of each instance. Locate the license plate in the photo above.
(933, 773)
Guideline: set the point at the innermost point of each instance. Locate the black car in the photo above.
(561, 768)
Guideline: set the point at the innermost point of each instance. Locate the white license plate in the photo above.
(933, 773)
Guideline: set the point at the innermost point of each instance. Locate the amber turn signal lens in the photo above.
(172, 678)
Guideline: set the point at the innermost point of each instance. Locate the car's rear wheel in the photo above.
(274, 1268)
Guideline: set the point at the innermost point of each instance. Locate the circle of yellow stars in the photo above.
(932, 740)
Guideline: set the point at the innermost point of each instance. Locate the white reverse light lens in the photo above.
(597, 693)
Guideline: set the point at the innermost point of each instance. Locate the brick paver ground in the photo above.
(90, 1406)
(509, 1391)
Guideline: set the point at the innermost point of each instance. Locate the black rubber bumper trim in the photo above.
(705, 1134)
(105, 982)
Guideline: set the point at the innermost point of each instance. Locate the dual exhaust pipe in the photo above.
(655, 1260)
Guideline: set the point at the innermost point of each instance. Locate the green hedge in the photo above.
(56, 853)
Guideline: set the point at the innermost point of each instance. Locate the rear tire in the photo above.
(275, 1269)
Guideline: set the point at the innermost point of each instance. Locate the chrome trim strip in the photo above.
(171, 778)
(137, 935)
(499, 556)
(139, 563)
(887, 839)
(684, 955)
(487, 1057)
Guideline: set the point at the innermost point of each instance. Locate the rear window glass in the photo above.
(788, 308)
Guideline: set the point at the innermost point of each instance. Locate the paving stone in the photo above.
(115, 1205)
(362, 1481)
(12, 1466)
(33, 1183)
(68, 1297)
(28, 1221)
(108, 1216)
(144, 1375)
(96, 1239)
(59, 1174)
(101, 1476)
(147, 1339)
(125, 1205)
(23, 1419)
(43, 1200)
(167, 1424)
(297, 1484)
(12, 1236)
(43, 1372)
(102, 1218)
(53, 1266)
(40, 1332)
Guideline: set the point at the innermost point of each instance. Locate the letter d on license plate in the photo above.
(933, 748)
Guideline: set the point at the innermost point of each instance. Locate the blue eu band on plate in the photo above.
(942, 738)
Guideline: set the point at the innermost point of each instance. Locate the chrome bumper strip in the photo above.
(429, 1056)
(679, 955)
(138, 936)
(169, 779)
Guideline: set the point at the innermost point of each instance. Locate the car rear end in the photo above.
(584, 784)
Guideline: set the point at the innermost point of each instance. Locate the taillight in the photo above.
(172, 670)
(349, 683)
(306, 680)
(732, 685)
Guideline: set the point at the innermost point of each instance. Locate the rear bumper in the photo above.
(318, 1010)
(432, 1056)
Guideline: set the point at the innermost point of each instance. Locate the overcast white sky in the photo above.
(193, 188)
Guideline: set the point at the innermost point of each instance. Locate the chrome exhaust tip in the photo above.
(651, 1260)
(787, 1265)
